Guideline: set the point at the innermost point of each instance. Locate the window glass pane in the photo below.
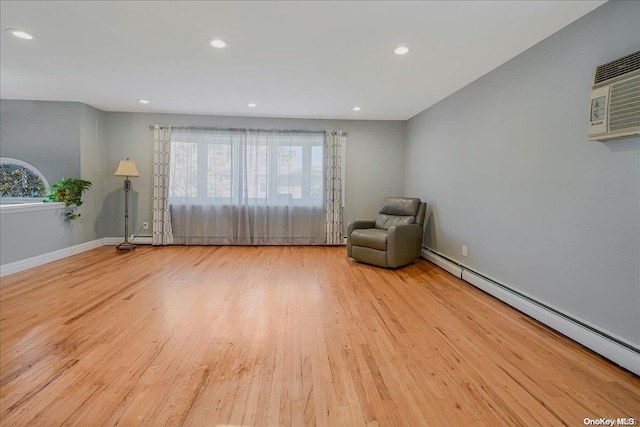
(256, 164)
(289, 178)
(184, 169)
(219, 170)
(253, 166)
(20, 181)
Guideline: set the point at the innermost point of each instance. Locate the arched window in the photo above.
(19, 179)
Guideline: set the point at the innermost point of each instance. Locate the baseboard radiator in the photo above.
(616, 349)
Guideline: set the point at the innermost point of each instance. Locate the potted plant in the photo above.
(69, 191)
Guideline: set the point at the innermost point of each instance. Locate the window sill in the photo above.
(28, 207)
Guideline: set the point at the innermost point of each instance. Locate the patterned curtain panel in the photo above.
(334, 142)
(162, 233)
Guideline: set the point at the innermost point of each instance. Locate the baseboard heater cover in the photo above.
(442, 263)
(141, 240)
(606, 344)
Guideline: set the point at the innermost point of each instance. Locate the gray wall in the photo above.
(28, 234)
(509, 171)
(93, 167)
(62, 140)
(44, 134)
(374, 160)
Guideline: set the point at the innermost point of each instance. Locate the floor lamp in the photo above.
(126, 168)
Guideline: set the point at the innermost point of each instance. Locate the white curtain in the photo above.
(247, 187)
(333, 186)
(161, 225)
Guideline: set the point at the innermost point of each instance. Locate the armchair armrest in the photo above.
(360, 224)
(354, 225)
(404, 244)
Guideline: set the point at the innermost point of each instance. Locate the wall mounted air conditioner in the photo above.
(615, 99)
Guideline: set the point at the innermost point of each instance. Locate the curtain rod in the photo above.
(244, 129)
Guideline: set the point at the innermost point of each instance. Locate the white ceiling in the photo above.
(314, 59)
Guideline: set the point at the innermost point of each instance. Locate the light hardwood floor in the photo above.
(289, 336)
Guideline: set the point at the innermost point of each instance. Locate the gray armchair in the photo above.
(394, 239)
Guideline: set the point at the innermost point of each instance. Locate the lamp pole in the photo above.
(126, 168)
(126, 245)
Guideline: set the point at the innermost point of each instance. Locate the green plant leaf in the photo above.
(69, 191)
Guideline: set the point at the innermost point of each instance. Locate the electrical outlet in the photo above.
(464, 250)
(145, 225)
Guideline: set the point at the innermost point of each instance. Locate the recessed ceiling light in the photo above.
(401, 50)
(143, 101)
(252, 105)
(21, 34)
(357, 108)
(218, 43)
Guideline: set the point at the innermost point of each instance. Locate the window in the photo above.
(246, 166)
(20, 180)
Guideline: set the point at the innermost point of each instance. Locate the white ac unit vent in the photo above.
(615, 99)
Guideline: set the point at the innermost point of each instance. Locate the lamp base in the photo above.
(125, 246)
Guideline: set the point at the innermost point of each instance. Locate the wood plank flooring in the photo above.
(283, 336)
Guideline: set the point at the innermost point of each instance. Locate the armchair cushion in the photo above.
(402, 206)
(373, 238)
(384, 221)
(397, 211)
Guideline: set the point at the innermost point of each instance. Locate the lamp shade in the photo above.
(127, 168)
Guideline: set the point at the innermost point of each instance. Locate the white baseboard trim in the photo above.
(24, 264)
(140, 240)
(112, 241)
(614, 348)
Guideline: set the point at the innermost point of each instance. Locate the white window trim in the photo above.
(29, 207)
